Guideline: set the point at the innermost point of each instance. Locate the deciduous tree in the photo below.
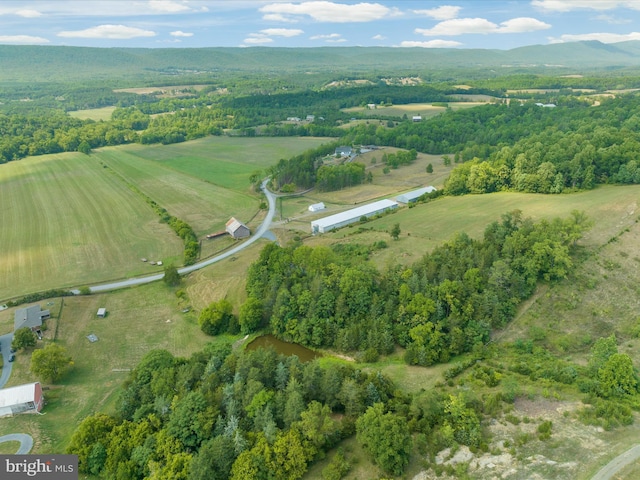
(51, 362)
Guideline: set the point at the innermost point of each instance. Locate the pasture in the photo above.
(68, 221)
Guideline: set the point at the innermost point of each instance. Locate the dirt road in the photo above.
(614, 466)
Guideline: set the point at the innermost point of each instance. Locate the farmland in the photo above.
(68, 221)
(425, 110)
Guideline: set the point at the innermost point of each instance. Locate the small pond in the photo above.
(285, 348)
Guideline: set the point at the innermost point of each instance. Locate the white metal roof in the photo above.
(354, 213)
(414, 194)
(17, 395)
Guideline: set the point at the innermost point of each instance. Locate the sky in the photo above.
(313, 23)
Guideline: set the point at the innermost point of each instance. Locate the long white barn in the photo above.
(326, 224)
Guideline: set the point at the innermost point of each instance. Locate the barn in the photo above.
(26, 398)
(30, 317)
(237, 229)
(338, 220)
(316, 207)
(414, 195)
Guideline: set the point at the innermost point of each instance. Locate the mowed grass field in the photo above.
(67, 221)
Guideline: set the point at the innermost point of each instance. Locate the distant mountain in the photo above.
(19, 63)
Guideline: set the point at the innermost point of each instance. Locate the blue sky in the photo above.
(313, 23)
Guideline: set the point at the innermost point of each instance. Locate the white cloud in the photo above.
(611, 20)
(601, 37)
(257, 40)
(324, 11)
(461, 26)
(278, 17)
(22, 39)
(113, 32)
(431, 44)
(168, 6)
(521, 25)
(570, 5)
(282, 32)
(445, 12)
(378, 37)
(331, 36)
(179, 33)
(28, 13)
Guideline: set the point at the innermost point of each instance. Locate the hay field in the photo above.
(66, 222)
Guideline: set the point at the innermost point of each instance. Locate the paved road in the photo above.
(264, 227)
(5, 345)
(614, 466)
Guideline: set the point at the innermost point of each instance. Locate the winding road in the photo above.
(264, 227)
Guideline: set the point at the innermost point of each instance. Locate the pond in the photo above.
(285, 348)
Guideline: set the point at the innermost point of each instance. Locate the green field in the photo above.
(68, 221)
(96, 114)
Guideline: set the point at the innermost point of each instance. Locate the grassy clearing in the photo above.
(65, 223)
(96, 114)
(428, 225)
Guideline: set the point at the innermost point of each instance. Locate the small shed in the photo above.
(316, 207)
(30, 317)
(102, 312)
(237, 229)
(26, 398)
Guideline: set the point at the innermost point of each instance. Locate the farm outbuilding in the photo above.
(26, 398)
(316, 207)
(413, 195)
(102, 312)
(338, 220)
(30, 317)
(344, 151)
(237, 229)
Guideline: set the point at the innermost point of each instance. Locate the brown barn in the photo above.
(237, 229)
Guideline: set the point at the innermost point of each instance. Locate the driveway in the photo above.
(26, 442)
(5, 345)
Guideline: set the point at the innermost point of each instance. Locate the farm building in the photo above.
(344, 151)
(237, 229)
(30, 317)
(102, 312)
(21, 399)
(338, 220)
(417, 118)
(316, 207)
(413, 195)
